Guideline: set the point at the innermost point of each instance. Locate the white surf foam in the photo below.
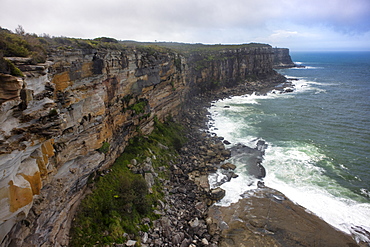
(306, 67)
(291, 168)
(293, 172)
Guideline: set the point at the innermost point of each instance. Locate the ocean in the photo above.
(318, 138)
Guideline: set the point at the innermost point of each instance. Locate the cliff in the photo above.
(282, 58)
(75, 113)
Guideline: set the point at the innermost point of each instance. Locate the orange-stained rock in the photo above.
(19, 197)
(35, 182)
(42, 159)
(86, 69)
(62, 81)
(10, 87)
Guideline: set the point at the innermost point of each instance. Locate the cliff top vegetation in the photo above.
(36, 48)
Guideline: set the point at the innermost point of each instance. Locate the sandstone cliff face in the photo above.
(54, 122)
(231, 67)
(282, 58)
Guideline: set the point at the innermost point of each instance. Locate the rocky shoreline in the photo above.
(265, 217)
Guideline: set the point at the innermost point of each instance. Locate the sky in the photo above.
(308, 25)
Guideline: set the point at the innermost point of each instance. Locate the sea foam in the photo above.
(291, 165)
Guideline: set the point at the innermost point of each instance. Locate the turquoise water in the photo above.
(318, 136)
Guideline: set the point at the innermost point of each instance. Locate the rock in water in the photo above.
(251, 158)
(267, 218)
(217, 194)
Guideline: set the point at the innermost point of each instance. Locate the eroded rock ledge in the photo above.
(265, 217)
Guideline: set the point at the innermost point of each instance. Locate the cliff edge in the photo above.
(282, 59)
(74, 113)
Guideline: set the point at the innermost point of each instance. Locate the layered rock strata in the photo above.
(282, 58)
(74, 115)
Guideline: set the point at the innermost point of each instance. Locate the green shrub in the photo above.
(106, 39)
(177, 62)
(120, 198)
(104, 148)
(14, 70)
(115, 206)
(22, 45)
(139, 106)
(53, 112)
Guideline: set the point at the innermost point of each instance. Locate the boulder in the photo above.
(251, 158)
(228, 166)
(194, 223)
(177, 238)
(205, 241)
(131, 243)
(217, 194)
(226, 142)
(149, 178)
(145, 237)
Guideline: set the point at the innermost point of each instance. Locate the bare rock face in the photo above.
(232, 67)
(10, 88)
(265, 217)
(74, 115)
(282, 58)
(53, 123)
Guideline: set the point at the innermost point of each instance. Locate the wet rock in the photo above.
(267, 218)
(226, 142)
(251, 158)
(228, 166)
(217, 194)
(260, 184)
(261, 146)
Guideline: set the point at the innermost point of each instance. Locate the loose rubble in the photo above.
(188, 195)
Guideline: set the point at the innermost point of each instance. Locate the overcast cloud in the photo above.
(298, 25)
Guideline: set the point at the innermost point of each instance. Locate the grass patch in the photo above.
(104, 148)
(114, 208)
(120, 199)
(140, 106)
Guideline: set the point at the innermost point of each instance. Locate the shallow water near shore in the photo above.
(318, 138)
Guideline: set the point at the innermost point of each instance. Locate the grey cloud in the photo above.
(231, 21)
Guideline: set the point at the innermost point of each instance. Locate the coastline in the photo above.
(264, 217)
(278, 234)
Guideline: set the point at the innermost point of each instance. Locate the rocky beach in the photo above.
(264, 217)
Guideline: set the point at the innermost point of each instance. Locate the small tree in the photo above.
(20, 30)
